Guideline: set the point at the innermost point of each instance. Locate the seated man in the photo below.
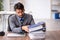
(20, 21)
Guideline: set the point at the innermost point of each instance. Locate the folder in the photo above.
(37, 27)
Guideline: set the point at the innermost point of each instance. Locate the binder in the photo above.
(37, 27)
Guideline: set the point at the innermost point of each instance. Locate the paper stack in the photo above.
(37, 31)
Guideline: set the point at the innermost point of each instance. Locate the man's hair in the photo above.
(18, 6)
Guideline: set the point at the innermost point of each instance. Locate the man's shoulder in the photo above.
(29, 15)
(12, 16)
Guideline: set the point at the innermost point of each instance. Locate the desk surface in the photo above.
(52, 35)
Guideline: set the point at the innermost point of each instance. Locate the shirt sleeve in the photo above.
(13, 26)
(32, 20)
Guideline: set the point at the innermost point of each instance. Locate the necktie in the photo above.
(22, 19)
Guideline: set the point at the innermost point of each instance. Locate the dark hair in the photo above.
(18, 6)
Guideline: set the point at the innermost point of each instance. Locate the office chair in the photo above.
(9, 29)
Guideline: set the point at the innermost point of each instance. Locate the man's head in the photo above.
(19, 8)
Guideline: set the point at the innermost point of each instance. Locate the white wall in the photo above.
(41, 9)
(6, 5)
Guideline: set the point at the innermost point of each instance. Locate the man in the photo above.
(20, 22)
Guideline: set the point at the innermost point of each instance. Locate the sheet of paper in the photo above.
(15, 35)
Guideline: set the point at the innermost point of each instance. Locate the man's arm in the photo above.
(13, 27)
(26, 26)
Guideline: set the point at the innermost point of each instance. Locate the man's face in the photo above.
(20, 12)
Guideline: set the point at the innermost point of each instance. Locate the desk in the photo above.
(14, 38)
(50, 35)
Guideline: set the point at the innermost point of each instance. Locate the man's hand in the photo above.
(25, 28)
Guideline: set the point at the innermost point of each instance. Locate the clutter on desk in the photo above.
(37, 31)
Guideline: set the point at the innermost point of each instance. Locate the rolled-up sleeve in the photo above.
(13, 26)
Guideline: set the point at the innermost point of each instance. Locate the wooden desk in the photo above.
(14, 38)
(50, 35)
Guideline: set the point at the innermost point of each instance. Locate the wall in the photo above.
(6, 5)
(40, 9)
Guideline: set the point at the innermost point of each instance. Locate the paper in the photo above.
(37, 35)
(15, 35)
(36, 31)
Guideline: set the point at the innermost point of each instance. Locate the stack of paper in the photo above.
(37, 35)
(36, 31)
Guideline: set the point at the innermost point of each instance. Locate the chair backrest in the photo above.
(9, 29)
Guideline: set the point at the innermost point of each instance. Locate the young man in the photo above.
(19, 23)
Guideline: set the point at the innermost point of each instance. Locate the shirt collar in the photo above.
(18, 17)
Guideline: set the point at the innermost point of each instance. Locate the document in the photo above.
(37, 35)
(15, 35)
(36, 31)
